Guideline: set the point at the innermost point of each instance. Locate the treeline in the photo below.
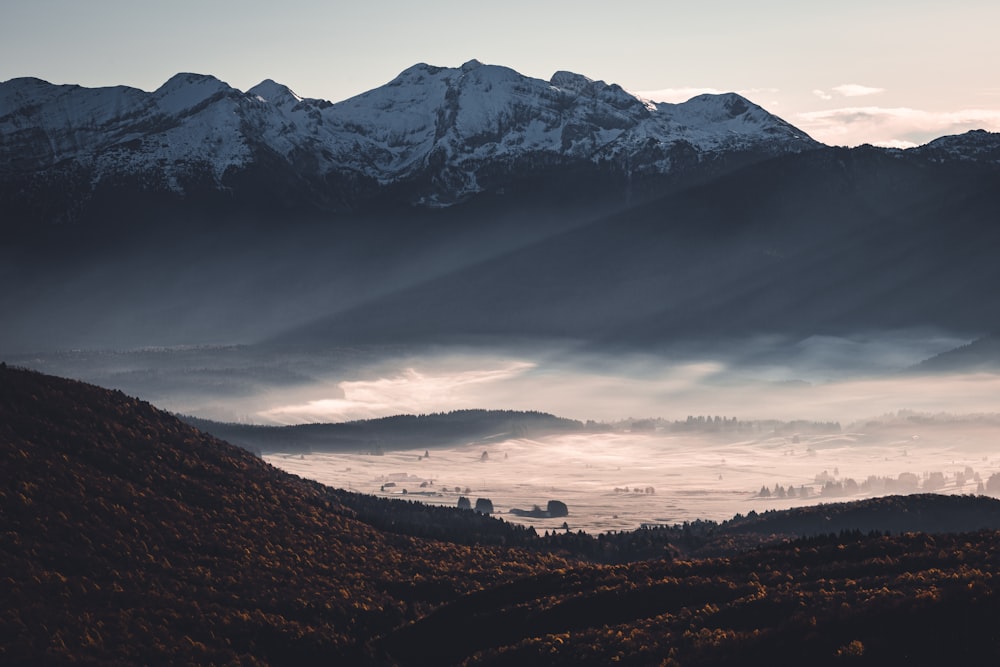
(890, 515)
(719, 424)
(375, 436)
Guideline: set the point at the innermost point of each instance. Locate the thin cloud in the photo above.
(823, 95)
(749, 92)
(897, 127)
(856, 90)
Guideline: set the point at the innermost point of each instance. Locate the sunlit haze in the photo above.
(889, 73)
(821, 378)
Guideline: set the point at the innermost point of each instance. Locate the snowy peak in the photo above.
(183, 92)
(978, 145)
(711, 109)
(23, 91)
(459, 120)
(457, 131)
(579, 85)
(574, 83)
(37, 101)
(273, 92)
(719, 107)
(284, 98)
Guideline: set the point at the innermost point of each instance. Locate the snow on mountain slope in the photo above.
(455, 127)
(42, 124)
(190, 120)
(464, 118)
(977, 145)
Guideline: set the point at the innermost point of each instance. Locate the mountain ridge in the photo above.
(453, 131)
(432, 136)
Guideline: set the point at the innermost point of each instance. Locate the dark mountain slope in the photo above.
(131, 538)
(825, 240)
(431, 136)
(982, 354)
(834, 240)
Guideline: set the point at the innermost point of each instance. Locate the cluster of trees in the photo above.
(906, 482)
(483, 505)
(720, 424)
(781, 492)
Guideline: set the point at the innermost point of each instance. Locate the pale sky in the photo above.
(887, 72)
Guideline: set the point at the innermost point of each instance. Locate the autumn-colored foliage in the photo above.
(128, 537)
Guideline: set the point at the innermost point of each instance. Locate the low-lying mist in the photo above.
(622, 480)
(642, 388)
(878, 426)
(836, 379)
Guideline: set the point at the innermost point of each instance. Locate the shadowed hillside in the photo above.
(128, 537)
(981, 355)
(830, 241)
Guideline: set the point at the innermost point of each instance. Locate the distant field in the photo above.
(617, 481)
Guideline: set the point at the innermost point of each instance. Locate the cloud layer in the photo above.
(805, 385)
(888, 126)
(410, 391)
(896, 127)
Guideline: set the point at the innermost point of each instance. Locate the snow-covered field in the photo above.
(620, 481)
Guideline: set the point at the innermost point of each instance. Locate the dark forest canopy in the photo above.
(394, 432)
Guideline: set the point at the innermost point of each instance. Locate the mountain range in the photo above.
(472, 202)
(441, 134)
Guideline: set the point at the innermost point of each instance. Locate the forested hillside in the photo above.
(129, 537)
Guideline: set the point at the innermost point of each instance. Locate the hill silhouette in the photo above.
(128, 537)
(981, 355)
(390, 433)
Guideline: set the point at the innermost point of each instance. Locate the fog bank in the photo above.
(834, 379)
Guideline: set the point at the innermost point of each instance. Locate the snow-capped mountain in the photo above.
(199, 212)
(446, 132)
(465, 123)
(975, 145)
